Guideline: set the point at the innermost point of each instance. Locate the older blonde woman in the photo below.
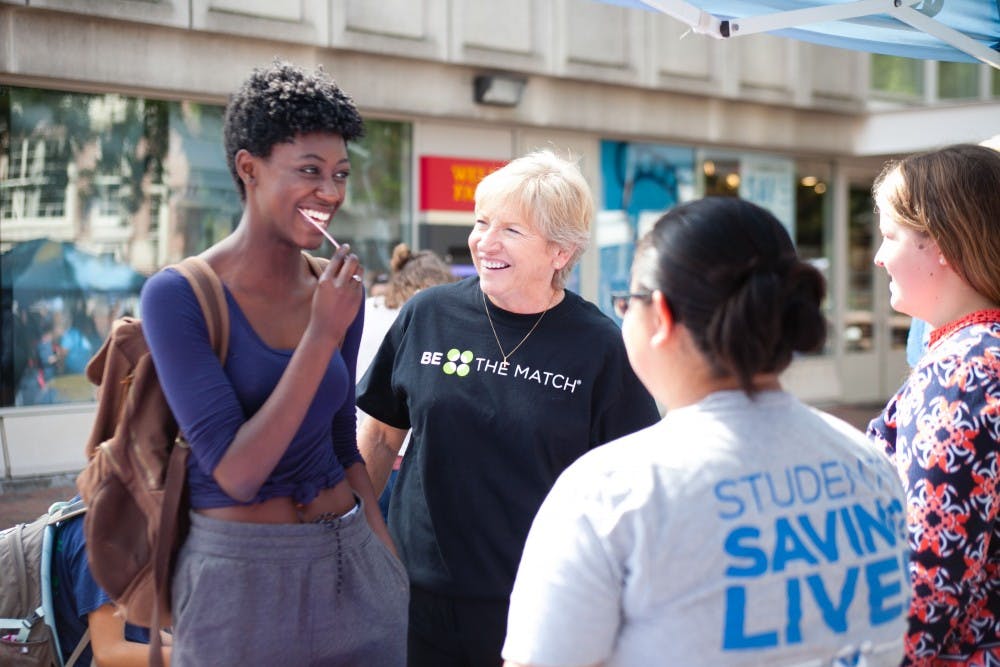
(505, 378)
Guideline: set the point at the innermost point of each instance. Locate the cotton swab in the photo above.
(321, 228)
(356, 278)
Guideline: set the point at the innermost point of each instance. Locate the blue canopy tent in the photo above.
(953, 30)
(43, 268)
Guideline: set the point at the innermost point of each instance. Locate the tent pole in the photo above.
(699, 21)
(957, 39)
(898, 9)
(795, 18)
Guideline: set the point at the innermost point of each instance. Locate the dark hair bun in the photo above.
(729, 271)
(803, 323)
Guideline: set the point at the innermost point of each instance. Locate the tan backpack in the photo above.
(28, 633)
(134, 484)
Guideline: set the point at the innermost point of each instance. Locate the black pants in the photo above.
(450, 631)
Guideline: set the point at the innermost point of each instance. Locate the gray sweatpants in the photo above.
(288, 594)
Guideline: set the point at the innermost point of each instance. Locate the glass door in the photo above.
(872, 335)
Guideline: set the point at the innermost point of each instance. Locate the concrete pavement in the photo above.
(23, 500)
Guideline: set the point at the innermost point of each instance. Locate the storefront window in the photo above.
(721, 177)
(813, 225)
(640, 182)
(82, 197)
(811, 216)
(99, 191)
(795, 193)
(376, 214)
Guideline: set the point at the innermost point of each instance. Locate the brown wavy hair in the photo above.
(412, 271)
(951, 195)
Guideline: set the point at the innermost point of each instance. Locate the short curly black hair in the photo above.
(280, 102)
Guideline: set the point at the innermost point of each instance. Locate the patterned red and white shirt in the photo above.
(942, 432)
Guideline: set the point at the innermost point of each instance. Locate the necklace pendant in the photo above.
(507, 355)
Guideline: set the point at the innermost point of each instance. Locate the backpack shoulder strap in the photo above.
(212, 299)
(58, 512)
(61, 511)
(82, 644)
(316, 264)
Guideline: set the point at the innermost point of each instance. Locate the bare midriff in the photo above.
(334, 501)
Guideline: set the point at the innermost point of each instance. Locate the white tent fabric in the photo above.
(954, 30)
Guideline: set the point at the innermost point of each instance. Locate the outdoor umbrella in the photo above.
(43, 267)
(955, 30)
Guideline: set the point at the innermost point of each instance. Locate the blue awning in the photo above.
(955, 30)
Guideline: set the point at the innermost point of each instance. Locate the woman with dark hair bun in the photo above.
(743, 529)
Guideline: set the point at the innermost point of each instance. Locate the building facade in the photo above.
(111, 155)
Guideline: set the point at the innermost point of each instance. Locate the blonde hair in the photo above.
(551, 194)
(411, 272)
(951, 195)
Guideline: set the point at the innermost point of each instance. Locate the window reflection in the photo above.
(376, 212)
(99, 191)
(721, 177)
(813, 228)
(640, 182)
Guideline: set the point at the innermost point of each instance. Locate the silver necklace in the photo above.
(507, 355)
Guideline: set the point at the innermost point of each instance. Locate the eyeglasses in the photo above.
(620, 301)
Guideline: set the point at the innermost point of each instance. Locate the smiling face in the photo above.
(515, 262)
(304, 178)
(914, 264)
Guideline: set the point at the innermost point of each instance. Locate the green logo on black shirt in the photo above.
(458, 362)
(462, 363)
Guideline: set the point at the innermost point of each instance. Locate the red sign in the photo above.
(449, 183)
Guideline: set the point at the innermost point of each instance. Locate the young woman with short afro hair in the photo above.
(288, 560)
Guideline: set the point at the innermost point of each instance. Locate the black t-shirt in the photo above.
(489, 441)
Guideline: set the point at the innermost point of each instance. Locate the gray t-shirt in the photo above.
(736, 531)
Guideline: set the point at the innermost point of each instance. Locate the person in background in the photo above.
(938, 214)
(409, 273)
(505, 378)
(80, 604)
(80, 341)
(50, 353)
(379, 285)
(32, 388)
(916, 341)
(288, 560)
(745, 528)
